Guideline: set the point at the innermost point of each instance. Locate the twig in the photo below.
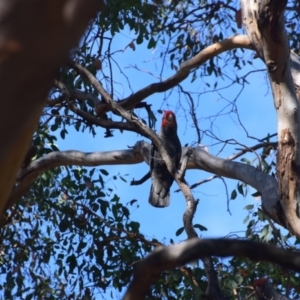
(184, 162)
(142, 180)
(105, 123)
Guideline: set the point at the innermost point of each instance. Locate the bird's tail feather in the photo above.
(156, 200)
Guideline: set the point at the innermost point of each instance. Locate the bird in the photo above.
(264, 290)
(162, 179)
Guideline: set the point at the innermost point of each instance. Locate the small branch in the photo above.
(194, 185)
(192, 112)
(226, 191)
(83, 96)
(273, 145)
(102, 122)
(191, 206)
(142, 180)
(55, 101)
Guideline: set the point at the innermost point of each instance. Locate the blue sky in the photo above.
(256, 110)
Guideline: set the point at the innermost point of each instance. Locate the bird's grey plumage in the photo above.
(161, 177)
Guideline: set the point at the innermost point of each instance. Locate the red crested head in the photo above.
(260, 282)
(169, 120)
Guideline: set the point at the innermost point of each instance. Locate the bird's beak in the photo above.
(171, 119)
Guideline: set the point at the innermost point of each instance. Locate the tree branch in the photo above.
(237, 41)
(165, 258)
(68, 158)
(105, 123)
(200, 159)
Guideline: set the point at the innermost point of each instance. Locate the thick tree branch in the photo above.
(200, 159)
(36, 37)
(165, 258)
(68, 158)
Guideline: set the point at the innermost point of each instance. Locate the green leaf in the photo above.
(103, 207)
(54, 127)
(179, 231)
(245, 160)
(125, 211)
(54, 147)
(140, 39)
(231, 284)
(44, 176)
(135, 226)
(233, 195)
(64, 225)
(95, 206)
(115, 211)
(256, 194)
(72, 261)
(101, 181)
(76, 174)
(249, 207)
(238, 278)
(131, 202)
(115, 198)
(104, 172)
(151, 43)
(246, 220)
(77, 126)
(240, 189)
(264, 232)
(63, 133)
(261, 215)
(123, 179)
(200, 227)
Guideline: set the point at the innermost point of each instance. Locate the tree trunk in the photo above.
(264, 23)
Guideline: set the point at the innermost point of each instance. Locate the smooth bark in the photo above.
(35, 39)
